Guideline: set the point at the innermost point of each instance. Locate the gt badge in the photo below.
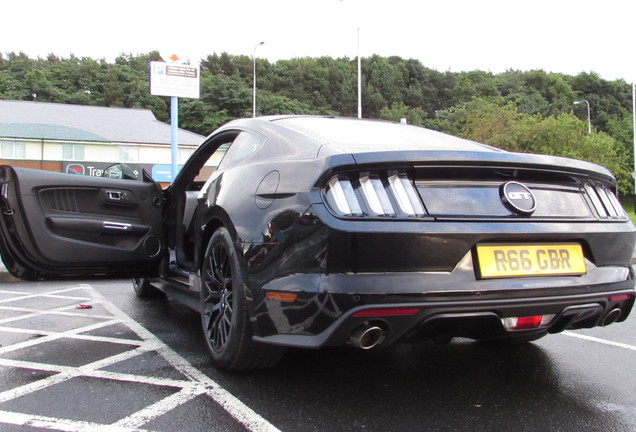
(518, 198)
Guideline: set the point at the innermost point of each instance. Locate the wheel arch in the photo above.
(238, 350)
(216, 218)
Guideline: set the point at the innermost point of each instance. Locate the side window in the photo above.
(242, 147)
(212, 163)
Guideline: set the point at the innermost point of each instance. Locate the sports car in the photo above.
(311, 231)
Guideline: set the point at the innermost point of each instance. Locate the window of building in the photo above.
(128, 153)
(13, 150)
(73, 151)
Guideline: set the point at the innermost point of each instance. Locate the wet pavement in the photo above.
(71, 360)
(135, 364)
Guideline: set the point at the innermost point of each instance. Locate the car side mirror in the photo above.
(121, 171)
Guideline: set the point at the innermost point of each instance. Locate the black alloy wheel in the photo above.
(217, 301)
(224, 315)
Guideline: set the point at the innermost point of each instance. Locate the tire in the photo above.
(143, 288)
(224, 316)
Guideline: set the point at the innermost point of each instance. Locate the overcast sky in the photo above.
(567, 36)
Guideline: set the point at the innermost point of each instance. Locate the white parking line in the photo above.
(11, 292)
(195, 383)
(51, 294)
(599, 340)
(56, 424)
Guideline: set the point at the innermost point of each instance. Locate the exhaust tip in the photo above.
(366, 337)
(611, 317)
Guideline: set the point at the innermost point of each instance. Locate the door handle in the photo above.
(116, 226)
(116, 195)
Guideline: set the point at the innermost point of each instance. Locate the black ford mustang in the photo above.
(315, 231)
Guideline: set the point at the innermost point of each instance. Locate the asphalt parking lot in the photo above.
(129, 364)
(71, 360)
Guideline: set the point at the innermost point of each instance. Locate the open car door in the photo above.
(55, 225)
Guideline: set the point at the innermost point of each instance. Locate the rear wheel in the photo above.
(143, 288)
(224, 315)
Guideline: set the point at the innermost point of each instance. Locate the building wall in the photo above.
(52, 150)
(48, 155)
(34, 164)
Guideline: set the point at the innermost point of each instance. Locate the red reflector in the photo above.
(524, 323)
(387, 312)
(620, 297)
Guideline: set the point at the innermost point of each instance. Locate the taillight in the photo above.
(527, 323)
(620, 297)
(341, 196)
(605, 202)
(405, 194)
(373, 194)
(376, 196)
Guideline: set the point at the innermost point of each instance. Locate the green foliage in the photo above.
(490, 121)
(399, 111)
(608, 99)
(565, 135)
(536, 92)
(222, 98)
(527, 111)
(275, 104)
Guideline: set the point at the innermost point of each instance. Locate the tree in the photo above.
(388, 77)
(475, 84)
(197, 116)
(608, 99)
(222, 99)
(527, 111)
(490, 121)
(269, 103)
(536, 92)
(562, 135)
(399, 111)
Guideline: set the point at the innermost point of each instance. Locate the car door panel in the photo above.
(65, 225)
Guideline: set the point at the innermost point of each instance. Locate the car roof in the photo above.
(367, 139)
(326, 135)
(350, 135)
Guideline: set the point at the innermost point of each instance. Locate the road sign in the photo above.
(174, 80)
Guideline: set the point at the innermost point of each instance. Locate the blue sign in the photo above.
(163, 173)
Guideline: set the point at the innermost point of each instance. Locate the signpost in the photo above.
(175, 78)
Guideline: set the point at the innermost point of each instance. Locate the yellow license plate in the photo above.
(530, 260)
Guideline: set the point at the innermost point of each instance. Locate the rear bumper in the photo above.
(476, 319)
(447, 304)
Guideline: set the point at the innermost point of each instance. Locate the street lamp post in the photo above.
(589, 119)
(359, 78)
(634, 134)
(254, 88)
